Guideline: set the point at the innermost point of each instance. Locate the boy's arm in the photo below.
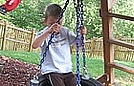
(38, 41)
(83, 32)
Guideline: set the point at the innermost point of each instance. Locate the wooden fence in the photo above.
(94, 48)
(17, 39)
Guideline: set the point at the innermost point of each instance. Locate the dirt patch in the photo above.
(16, 73)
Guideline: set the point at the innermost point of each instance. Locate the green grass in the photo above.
(29, 57)
(94, 65)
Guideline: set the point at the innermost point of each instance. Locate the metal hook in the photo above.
(34, 81)
(85, 74)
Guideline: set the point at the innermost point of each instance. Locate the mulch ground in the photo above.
(16, 73)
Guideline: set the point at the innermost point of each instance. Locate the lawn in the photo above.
(94, 65)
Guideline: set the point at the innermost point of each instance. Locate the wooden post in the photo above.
(4, 37)
(108, 48)
(31, 40)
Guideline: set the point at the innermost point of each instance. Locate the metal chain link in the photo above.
(76, 5)
(80, 23)
(85, 72)
(52, 35)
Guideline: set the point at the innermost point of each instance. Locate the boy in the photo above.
(57, 65)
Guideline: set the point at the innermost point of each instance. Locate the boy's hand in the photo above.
(83, 30)
(55, 28)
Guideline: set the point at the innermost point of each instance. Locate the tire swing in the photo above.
(9, 6)
(82, 80)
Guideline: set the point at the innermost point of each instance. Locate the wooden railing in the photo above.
(110, 43)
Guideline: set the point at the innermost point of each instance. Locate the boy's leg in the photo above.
(70, 79)
(44, 80)
(56, 79)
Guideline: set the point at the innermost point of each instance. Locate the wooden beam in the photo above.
(121, 43)
(120, 16)
(4, 37)
(107, 29)
(122, 67)
(103, 78)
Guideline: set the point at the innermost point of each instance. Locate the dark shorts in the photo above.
(57, 79)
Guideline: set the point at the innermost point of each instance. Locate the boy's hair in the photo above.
(53, 10)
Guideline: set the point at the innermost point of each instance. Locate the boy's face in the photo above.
(51, 20)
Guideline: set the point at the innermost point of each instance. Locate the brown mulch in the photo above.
(16, 73)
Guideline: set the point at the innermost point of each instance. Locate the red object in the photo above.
(11, 4)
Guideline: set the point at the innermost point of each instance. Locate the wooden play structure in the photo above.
(108, 41)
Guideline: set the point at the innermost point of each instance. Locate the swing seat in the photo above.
(89, 82)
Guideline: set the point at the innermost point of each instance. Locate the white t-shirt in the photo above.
(58, 57)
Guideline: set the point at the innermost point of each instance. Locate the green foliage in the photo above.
(2, 1)
(124, 27)
(26, 15)
(92, 19)
(29, 15)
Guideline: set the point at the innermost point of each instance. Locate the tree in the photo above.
(29, 15)
(124, 27)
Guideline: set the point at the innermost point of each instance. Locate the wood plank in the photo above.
(107, 29)
(103, 78)
(19, 29)
(17, 41)
(122, 67)
(121, 43)
(120, 16)
(4, 37)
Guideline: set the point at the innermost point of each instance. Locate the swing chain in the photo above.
(46, 50)
(2, 10)
(85, 72)
(62, 12)
(80, 25)
(77, 8)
